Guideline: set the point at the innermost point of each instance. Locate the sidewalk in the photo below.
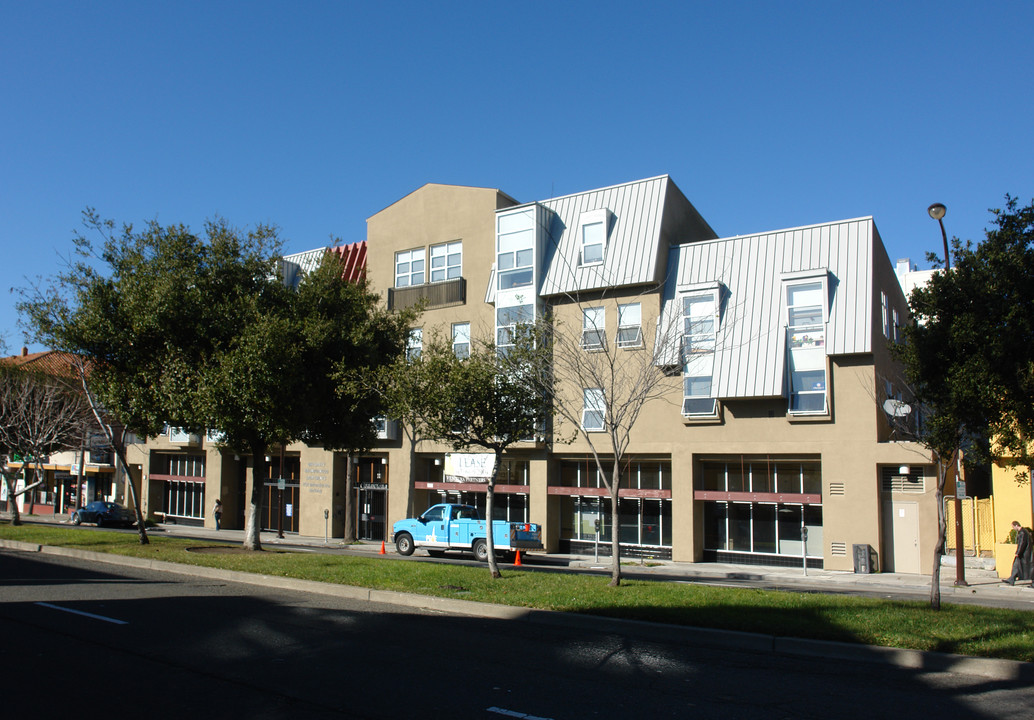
(984, 586)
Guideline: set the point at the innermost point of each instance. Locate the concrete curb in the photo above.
(991, 668)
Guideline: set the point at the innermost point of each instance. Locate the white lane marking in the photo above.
(84, 614)
(514, 714)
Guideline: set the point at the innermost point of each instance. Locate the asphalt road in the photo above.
(90, 638)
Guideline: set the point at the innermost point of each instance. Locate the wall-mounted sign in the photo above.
(469, 467)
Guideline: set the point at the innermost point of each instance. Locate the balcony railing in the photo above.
(450, 292)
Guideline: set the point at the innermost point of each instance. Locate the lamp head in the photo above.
(937, 211)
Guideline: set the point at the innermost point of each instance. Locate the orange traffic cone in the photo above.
(517, 560)
(382, 547)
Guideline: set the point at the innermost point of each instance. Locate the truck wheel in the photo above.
(480, 551)
(404, 544)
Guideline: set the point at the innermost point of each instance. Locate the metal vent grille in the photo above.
(894, 481)
(838, 549)
(837, 488)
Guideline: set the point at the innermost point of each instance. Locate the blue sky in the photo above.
(315, 115)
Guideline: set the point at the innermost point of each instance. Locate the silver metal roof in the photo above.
(646, 216)
(751, 354)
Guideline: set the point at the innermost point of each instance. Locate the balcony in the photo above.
(450, 292)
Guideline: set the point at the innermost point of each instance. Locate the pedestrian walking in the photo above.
(218, 512)
(1022, 561)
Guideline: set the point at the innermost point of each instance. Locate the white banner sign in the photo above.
(469, 467)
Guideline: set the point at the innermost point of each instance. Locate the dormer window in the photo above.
(806, 315)
(593, 235)
(515, 252)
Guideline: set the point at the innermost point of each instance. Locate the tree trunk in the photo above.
(12, 502)
(615, 538)
(118, 446)
(349, 533)
(252, 524)
(942, 531)
(493, 567)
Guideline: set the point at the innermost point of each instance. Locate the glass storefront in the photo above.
(644, 508)
(758, 510)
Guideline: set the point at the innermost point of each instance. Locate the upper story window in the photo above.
(594, 409)
(698, 323)
(461, 340)
(593, 236)
(806, 311)
(886, 315)
(507, 319)
(699, 328)
(409, 268)
(446, 261)
(630, 325)
(594, 328)
(515, 252)
(414, 343)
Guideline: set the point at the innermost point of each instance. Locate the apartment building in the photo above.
(771, 445)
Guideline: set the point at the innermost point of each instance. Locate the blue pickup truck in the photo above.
(458, 527)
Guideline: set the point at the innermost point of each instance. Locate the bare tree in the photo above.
(39, 414)
(602, 387)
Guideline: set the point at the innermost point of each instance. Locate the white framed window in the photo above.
(592, 235)
(886, 315)
(697, 400)
(806, 344)
(594, 328)
(461, 340)
(515, 251)
(895, 329)
(699, 332)
(409, 268)
(446, 261)
(508, 318)
(414, 343)
(630, 325)
(593, 409)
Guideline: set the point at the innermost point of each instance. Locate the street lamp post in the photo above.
(937, 211)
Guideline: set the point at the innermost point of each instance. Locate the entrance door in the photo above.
(371, 513)
(901, 522)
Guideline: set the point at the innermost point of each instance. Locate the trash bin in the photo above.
(865, 560)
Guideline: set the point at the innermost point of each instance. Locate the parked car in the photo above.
(104, 513)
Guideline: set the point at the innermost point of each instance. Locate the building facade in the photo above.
(771, 444)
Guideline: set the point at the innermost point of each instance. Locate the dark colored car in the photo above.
(104, 513)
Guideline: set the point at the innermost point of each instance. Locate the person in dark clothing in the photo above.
(1021, 563)
(218, 512)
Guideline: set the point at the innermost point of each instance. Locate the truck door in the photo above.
(435, 524)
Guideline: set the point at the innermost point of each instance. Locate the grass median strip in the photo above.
(962, 629)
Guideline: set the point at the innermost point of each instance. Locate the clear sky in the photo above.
(313, 116)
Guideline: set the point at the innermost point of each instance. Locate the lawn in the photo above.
(963, 629)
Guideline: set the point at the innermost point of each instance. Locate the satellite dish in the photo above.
(896, 408)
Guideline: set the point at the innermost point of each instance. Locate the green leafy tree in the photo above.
(969, 357)
(485, 401)
(200, 331)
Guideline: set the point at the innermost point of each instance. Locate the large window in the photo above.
(506, 321)
(593, 409)
(515, 252)
(409, 268)
(446, 261)
(761, 507)
(698, 345)
(594, 328)
(806, 341)
(630, 325)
